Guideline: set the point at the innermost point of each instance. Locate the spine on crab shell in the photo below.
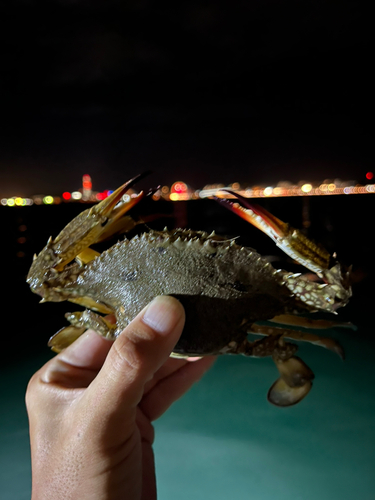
(208, 247)
(195, 243)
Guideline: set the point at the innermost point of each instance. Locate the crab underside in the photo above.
(228, 291)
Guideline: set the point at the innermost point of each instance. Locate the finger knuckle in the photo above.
(125, 356)
(31, 390)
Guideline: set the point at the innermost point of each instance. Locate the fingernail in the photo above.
(162, 314)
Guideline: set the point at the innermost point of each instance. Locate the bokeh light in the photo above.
(48, 200)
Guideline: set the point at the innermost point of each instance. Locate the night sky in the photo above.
(247, 91)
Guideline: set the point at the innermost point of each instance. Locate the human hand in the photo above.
(90, 408)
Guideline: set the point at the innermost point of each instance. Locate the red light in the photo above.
(87, 185)
(179, 187)
(369, 176)
(103, 195)
(86, 178)
(66, 195)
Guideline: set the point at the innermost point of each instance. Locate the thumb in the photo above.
(137, 354)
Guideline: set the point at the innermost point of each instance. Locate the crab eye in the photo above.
(104, 222)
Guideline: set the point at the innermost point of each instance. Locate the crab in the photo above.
(228, 291)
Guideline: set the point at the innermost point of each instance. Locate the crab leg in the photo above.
(283, 392)
(296, 377)
(80, 322)
(315, 324)
(87, 255)
(90, 303)
(64, 337)
(326, 342)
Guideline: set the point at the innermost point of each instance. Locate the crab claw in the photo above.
(290, 240)
(96, 224)
(294, 383)
(90, 226)
(302, 250)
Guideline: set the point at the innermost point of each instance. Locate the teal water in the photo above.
(223, 440)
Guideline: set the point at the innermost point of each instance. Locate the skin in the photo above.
(91, 408)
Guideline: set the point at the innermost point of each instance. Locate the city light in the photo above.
(180, 191)
(179, 187)
(48, 200)
(86, 188)
(16, 201)
(86, 182)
